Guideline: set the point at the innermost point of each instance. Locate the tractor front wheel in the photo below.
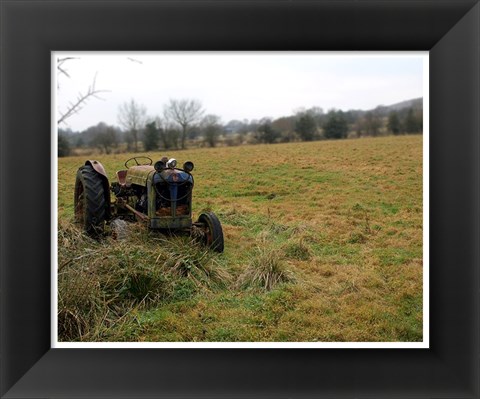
(89, 201)
(212, 231)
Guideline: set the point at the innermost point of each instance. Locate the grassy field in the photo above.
(335, 225)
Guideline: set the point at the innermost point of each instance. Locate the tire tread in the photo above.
(94, 200)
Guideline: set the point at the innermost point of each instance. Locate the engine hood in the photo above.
(141, 174)
(172, 176)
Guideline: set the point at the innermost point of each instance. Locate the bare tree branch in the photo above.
(61, 61)
(61, 70)
(82, 99)
(134, 60)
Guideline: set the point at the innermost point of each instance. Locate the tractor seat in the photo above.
(122, 177)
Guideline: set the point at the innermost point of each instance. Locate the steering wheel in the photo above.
(136, 161)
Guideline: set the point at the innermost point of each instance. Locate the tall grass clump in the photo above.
(80, 300)
(297, 249)
(186, 258)
(101, 283)
(80, 304)
(266, 269)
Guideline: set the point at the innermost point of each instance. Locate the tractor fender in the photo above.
(98, 167)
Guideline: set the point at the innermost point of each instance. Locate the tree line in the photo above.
(185, 123)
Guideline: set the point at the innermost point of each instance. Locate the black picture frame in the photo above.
(30, 30)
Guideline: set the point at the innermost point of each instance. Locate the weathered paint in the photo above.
(97, 166)
(173, 221)
(145, 175)
(169, 222)
(173, 176)
(139, 175)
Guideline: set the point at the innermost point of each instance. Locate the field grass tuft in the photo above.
(187, 258)
(266, 269)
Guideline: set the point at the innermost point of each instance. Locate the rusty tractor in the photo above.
(158, 194)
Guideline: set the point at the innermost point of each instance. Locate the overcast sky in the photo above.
(237, 85)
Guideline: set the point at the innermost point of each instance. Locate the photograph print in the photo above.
(241, 199)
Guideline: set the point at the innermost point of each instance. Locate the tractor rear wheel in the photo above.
(89, 201)
(213, 233)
